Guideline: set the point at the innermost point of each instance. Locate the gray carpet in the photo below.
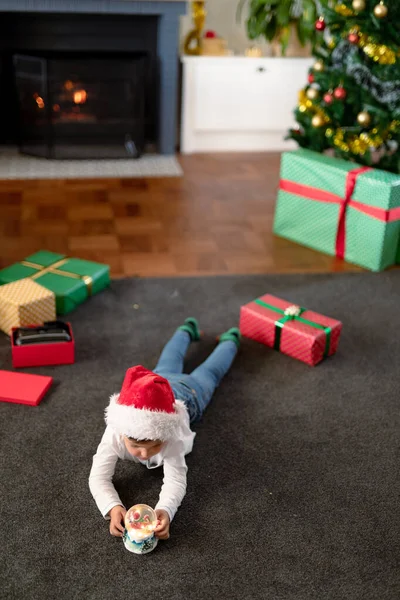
(293, 484)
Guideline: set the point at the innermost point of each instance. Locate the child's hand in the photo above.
(162, 529)
(117, 515)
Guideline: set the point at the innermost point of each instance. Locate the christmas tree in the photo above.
(351, 103)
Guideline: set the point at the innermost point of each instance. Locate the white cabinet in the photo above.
(239, 104)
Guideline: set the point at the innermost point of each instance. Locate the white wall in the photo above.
(221, 17)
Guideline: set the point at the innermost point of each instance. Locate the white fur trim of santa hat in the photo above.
(142, 424)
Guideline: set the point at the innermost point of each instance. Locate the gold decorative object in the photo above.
(364, 118)
(214, 47)
(193, 41)
(339, 142)
(319, 66)
(394, 126)
(253, 51)
(304, 102)
(358, 146)
(343, 10)
(312, 93)
(358, 5)
(317, 121)
(380, 53)
(381, 10)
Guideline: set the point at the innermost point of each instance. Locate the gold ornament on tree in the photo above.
(319, 66)
(343, 10)
(193, 41)
(317, 121)
(338, 140)
(358, 146)
(380, 53)
(394, 126)
(312, 93)
(381, 10)
(365, 137)
(358, 5)
(364, 118)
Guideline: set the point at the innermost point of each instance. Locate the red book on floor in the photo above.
(23, 388)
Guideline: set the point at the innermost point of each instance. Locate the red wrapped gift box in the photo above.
(41, 355)
(298, 332)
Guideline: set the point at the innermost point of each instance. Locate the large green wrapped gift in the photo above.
(71, 279)
(339, 208)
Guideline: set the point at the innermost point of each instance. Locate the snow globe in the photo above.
(140, 523)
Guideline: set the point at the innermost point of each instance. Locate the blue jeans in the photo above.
(196, 389)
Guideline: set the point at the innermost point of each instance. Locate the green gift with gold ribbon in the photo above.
(72, 280)
(290, 329)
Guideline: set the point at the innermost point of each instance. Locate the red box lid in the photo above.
(23, 388)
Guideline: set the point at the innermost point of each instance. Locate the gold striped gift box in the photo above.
(25, 302)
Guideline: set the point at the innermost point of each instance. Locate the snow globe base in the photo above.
(140, 547)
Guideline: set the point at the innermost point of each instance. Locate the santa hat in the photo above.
(145, 409)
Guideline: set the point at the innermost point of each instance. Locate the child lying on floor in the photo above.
(149, 422)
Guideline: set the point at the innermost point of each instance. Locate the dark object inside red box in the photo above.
(30, 352)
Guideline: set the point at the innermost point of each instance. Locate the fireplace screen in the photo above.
(77, 106)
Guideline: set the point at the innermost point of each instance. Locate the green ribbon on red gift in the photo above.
(293, 313)
(312, 193)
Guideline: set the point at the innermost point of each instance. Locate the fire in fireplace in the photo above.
(77, 105)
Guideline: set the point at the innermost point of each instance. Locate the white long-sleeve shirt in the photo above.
(171, 456)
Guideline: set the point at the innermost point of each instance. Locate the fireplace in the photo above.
(81, 108)
(81, 105)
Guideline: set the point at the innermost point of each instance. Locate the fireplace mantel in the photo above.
(168, 13)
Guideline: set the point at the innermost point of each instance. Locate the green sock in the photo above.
(232, 335)
(191, 327)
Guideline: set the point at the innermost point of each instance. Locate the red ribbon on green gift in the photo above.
(323, 196)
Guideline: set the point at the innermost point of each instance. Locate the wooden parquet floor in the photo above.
(217, 219)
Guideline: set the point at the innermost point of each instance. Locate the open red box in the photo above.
(40, 355)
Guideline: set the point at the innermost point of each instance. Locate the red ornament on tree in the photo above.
(328, 98)
(311, 78)
(340, 93)
(320, 25)
(353, 38)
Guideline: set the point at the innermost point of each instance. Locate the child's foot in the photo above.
(232, 335)
(191, 327)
